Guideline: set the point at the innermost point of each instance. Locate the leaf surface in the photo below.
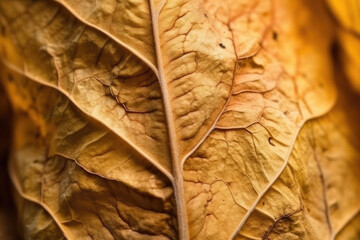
(69, 157)
(189, 119)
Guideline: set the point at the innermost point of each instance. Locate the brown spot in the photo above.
(205, 15)
(274, 35)
(222, 45)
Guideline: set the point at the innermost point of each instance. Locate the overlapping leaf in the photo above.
(347, 14)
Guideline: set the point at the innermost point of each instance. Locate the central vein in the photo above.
(178, 182)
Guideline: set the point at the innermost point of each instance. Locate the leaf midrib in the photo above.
(177, 171)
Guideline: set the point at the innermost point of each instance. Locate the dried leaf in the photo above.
(348, 15)
(180, 119)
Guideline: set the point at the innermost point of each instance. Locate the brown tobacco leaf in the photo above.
(350, 45)
(308, 201)
(187, 119)
(35, 222)
(275, 92)
(91, 173)
(347, 13)
(109, 83)
(128, 23)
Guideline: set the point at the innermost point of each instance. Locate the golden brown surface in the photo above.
(186, 119)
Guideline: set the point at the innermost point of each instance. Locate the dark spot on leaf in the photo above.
(274, 35)
(222, 45)
(270, 141)
(263, 203)
(205, 15)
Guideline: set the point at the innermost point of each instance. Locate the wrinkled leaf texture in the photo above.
(182, 119)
